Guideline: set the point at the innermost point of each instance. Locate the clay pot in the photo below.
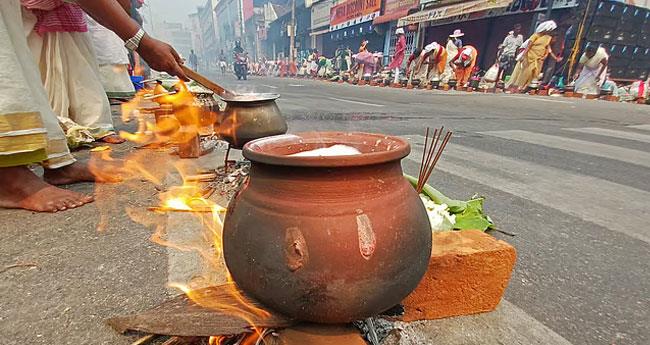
(327, 239)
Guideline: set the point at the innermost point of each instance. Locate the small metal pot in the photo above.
(452, 83)
(435, 84)
(248, 117)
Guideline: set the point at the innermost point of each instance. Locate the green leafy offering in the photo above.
(473, 217)
(469, 214)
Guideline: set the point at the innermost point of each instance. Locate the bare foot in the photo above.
(20, 188)
(78, 172)
(112, 139)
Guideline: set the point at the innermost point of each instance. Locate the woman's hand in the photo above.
(161, 57)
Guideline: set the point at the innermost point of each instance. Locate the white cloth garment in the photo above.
(113, 60)
(452, 50)
(431, 47)
(589, 81)
(71, 77)
(26, 118)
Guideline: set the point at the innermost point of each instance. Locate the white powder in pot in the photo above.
(335, 150)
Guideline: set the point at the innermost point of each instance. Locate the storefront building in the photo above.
(320, 25)
(486, 23)
(350, 23)
(393, 10)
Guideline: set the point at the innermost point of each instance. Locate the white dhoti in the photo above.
(71, 77)
(29, 130)
(113, 59)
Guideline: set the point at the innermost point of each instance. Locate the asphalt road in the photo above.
(570, 178)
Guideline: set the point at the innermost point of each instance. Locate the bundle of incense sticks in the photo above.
(431, 154)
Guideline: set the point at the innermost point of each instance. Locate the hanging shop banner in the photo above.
(320, 14)
(520, 6)
(517, 7)
(395, 9)
(353, 12)
(247, 9)
(452, 10)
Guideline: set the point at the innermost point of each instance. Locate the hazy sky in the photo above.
(171, 10)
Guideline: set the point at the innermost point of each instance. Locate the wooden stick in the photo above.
(218, 89)
(436, 138)
(206, 177)
(427, 153)
(424, 153)
(438, 155)
(144, 340)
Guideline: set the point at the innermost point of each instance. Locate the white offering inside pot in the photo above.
(335, 150)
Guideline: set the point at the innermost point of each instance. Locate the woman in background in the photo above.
(530, 61)
(400, 52)
(592, 70)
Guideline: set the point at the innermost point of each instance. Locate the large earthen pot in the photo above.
(327, 239)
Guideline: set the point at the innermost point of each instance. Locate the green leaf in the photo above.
(469, 214)
(473, 217)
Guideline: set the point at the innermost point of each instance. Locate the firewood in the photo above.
(182, 317)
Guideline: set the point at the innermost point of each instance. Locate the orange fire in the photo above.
(154, 126)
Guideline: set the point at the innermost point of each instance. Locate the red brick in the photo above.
(468, 274)
(311, 334)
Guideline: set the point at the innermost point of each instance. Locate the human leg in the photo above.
(25, 137)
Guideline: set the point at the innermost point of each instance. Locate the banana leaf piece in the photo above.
(469, 214)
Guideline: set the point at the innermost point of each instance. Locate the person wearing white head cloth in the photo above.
(530, 60)
(435, 56)
(430, 62)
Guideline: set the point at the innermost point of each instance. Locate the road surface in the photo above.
(570, 178)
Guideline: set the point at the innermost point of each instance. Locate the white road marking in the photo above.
(614, 206)
(296, 85)
(538, 99)
(612, 133)
(643, 127)
(574, 145)
(355, 102)
(270, 86)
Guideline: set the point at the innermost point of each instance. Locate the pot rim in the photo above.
(394, 149)
(251, 98)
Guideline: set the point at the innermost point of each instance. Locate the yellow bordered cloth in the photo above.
(23, 139)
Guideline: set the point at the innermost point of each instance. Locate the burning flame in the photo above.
(183, 120)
